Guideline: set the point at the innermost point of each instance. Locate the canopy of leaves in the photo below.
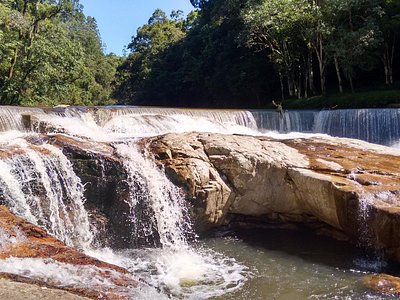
(50, 53)
(244, 53)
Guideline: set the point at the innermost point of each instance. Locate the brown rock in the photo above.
(383, 283)
(31, 241)
(351, 185)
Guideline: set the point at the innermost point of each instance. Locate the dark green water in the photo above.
(298, 265)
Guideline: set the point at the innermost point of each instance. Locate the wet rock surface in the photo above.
(107, 190)
(21, 291)
(383, 283)
(27, 241)
(352, 186)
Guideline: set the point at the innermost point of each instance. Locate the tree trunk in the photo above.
(299, 81)
(290, 85)
(319, 51)
(351, 83)
(322, 77)
(391, 61)
(311, 73)
(306, 80)
(13, 63)
(282, 88)
(387, 59)
(339, 77)
(386, 68)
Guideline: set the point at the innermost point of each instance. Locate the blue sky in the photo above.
(118, 19)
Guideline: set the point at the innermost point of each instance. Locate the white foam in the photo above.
(165, 200)
(396, 145)
(188, 273)
(39, 184)
(7, 240)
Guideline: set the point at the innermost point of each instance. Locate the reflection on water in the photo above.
(298, 265)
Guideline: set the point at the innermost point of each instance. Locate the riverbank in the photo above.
(379, 98)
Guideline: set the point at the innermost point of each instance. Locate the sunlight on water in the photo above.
(297, 265)
(189, 273)
(39, 181)
(177, 268)
(165, 200)
(65, 275)
(39, 184)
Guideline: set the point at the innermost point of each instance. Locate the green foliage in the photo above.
(364, 99)
(204, 66)
(50, 53)
(244, 53)
(148, 46)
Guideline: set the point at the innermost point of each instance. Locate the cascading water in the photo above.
(380, 126)
(39, 184)
(177, 268)
(11, 117)
(290, 121)
(150, 186)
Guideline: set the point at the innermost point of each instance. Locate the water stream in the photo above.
(37, 182)
(297, 265)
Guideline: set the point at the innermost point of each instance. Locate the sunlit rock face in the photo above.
(351, 185)
(29, 254)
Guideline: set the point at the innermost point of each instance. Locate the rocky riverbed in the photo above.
(347, 188)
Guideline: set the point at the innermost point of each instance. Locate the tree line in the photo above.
(51, 53)
(225, 53)
(244, 53)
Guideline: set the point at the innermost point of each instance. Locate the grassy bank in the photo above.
(363, 99)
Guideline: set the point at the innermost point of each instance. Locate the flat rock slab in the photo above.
(22, 291)
(350, 185)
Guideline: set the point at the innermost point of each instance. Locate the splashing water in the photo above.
(44, 190)
(177, 268)
(161, 195)
(65, 275)
(39, 184)
(189, 273)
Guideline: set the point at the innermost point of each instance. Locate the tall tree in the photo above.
(356, 31)
(146, 49)
(279, 26)
(390, 27)
(51, 53)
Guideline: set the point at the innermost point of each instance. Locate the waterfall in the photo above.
(297, 121)
(178, 268)
(155, 121)
(150, 187)
(11, 118)
(39, 184)
(381, 126)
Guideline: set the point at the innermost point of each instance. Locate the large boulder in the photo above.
(352, 186)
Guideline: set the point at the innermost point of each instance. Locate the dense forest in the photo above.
(51, 53)
(225, 53)
(244, 53)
